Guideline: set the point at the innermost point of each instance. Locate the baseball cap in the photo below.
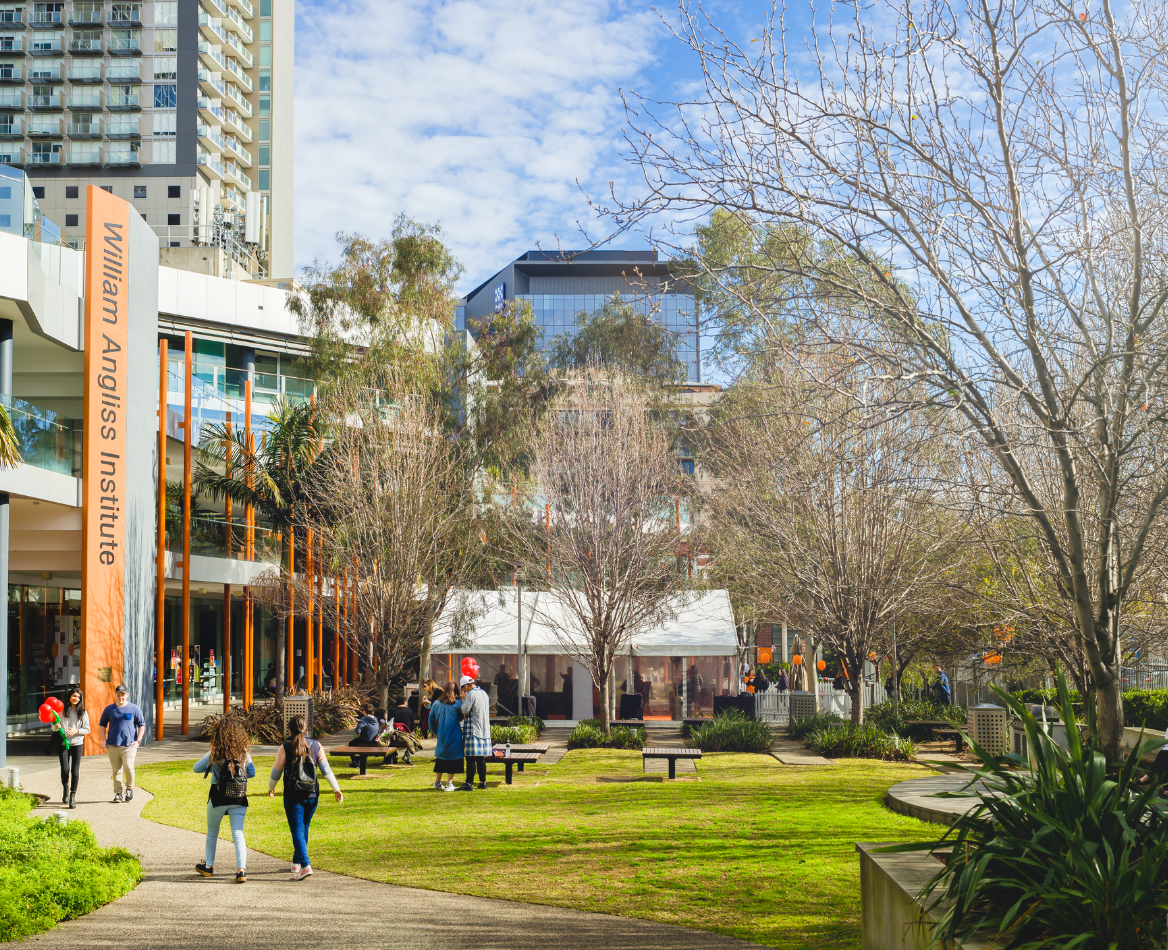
(120, 689)
(464, 681)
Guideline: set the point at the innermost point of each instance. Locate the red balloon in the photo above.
(55, 704)
(45, 713)
(470, 667)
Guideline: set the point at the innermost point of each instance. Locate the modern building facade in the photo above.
(68, 384)
(560, 284)
(183, 108)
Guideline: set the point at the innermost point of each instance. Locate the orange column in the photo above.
(336, 634)
(290, 628)
(247, 677)
(345, 625)
(319, 620)
(310, 620)
(226, 647)
(186, 539)
(160, 560)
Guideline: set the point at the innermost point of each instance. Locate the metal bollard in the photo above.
(61, 817)
(13, 777)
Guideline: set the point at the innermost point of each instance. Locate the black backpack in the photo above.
(300, 774)
(232, 781)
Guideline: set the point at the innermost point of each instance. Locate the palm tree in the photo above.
(10, 455)
(271, 477)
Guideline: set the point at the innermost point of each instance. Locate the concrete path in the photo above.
(917, 798)
(174, 909)
(790, 752)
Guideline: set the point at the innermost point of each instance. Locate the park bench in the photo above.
(363, 752)
(672, 755)
(515, 758)
(954, 734)
(540, 747)
(628, 723)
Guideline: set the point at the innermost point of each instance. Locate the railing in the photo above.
(123, 72)
(238, 150)
(121, 128)
(44, 440)
(10, 128)
(205, 75)
(206, 49)
(42, 158)
(774, 706)
(240, 101)
(85, 45)
(212, 536)
(85, 102)
(46, 47)
(44, 72)
(237, 173)
(205, 103)
(213, 25)
(125, 44)
(85, 72)
(206, 132)
(247, 8)
(243, 28)
(121, 156)
(236, 70)
(237, 123)
(9, 100)
(43, 18)
(13, 19)
(205, 160)
(84, 17)
(81, 129)
(84, 156)
(237, 44)
(125, 17)
(11, 44)
(119, 100)
(9, 72)
(44, 102)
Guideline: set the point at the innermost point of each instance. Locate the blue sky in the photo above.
(493, 117)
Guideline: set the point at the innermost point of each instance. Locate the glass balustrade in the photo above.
(44, 440)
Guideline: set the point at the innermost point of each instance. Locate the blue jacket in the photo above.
(445, 726)
(367, 728)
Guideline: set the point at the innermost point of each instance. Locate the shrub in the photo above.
(1141, 707)
(801, 727)
(516, 735)
(51, 872)
(589, 734)
(732, 731)
(332, 712)
(534, 721)
(867, 740)
(896, 720)
(1070, 853)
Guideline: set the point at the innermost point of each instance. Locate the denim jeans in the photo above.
(236, 814)
(300, 812)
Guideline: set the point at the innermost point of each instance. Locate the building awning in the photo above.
(488, 622)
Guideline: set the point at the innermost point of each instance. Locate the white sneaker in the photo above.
(448, 787)
(437, 783)
(302, 873)
(295, 869)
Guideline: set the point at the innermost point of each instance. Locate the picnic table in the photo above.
(940, 727)
(362, 752)
(515, 758)
(540, 747)
(672, 754)
(630, 723)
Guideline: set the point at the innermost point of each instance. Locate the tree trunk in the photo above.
(424, 656)
(1109, 718)
(605, 720)
(856, 692)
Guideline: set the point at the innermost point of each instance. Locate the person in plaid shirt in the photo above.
(476, 732)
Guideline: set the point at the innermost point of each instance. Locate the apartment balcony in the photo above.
(85, 18)
(84, 130)
(210, 28)
(11, 130)
(46, 72)
(237, 44)
(241, 154)
(210, 83)
(41, 159)
(88, 46)
(125, 18)
(237, 124)
(85, 100)
(41, 19)
(235, 21)
(211, 165)
(49, 47)
(210, 139)
(216, 8)
(210, 111)
(120, 102)
(50, 103)
(244, 7)
(11, 99)
(211, 56)
(235, 95)
(9, 153)
(125, 46)
(11, 45)
(235, 173)
(123, 72)
(43, 127)
(84, 72)
(84, 155)
(237, 71)
(12, 20)
(122, 128)
(11, 74)
(122, 156)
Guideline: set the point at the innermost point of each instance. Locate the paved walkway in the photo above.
(790, 752)
(917, 798)
(174, 909)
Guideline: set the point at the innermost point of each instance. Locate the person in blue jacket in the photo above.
(229, 761)
(448, 731)
(368, 729)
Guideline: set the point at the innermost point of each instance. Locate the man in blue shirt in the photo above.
(944, 696)
(123, 728)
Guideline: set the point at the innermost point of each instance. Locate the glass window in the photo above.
(266, 31)
(165, 95)
(125, 40)
(265, 130)
(265, 56)
(166, 67)
(165, 12)
(162, 152)
(265, 80)
(265, 154)
(265, 7)
(165, 41)
(265, 105)
(265, 180)
(164, 123)
(45, 42)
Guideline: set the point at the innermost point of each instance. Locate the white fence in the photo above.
(773, 706)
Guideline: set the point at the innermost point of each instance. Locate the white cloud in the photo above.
(481, 114)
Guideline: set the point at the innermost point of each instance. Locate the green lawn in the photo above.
(754, 849)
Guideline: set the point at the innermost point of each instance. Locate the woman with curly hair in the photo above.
(229, 761)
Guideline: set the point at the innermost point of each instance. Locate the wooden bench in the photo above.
(363, 752)
(628, 723)
(540, 747)
(515, 758)
(953, 734)
(672, 755)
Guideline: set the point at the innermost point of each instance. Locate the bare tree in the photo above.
(599, 530)
(996, 171)
(840, 516)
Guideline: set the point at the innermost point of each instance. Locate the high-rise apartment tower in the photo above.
(181, 107)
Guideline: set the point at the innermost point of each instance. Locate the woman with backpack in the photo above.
(229, 761)
(299, 761)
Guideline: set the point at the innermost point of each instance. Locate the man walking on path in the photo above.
(476, 733)
(123, 728)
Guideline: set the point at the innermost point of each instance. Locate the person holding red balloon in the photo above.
(76, 725)
(476, 726)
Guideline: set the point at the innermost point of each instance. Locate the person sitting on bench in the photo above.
(368, 729)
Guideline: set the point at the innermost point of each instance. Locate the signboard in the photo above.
(765, 654)
(118, 465)
(500, 297)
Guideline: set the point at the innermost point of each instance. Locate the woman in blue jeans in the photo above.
(299, 761)
(229, 761)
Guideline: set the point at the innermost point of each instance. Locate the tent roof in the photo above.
(703, 625)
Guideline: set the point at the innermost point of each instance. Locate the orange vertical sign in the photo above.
(103, 467)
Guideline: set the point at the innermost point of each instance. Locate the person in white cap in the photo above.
(476, 732)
